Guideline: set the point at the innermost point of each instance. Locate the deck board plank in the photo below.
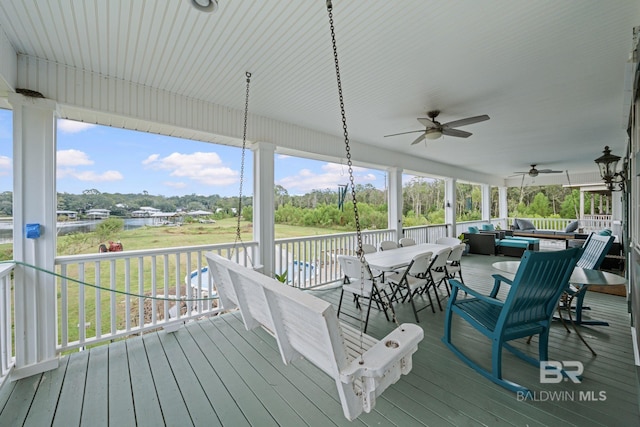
(121, 409)
(202, 414)
(46, 399)
(174, 410)
(72, 394)
(145, 396)
(19, 401)
(95, 411)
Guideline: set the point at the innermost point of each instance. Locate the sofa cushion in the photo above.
(513, 243)
(524, 224)
(571, 227)
(488, 227)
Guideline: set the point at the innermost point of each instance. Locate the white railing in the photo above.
(587, 224)
(312, 260)
(7, 357)
(113, 309)
(427, 234)
(596, 222)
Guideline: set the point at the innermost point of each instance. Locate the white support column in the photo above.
(34, 202)
(263, 204)
(486, 202)
(395, 201)
(450, 197)
(503, 206)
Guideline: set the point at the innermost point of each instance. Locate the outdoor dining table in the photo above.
(394, 259)
(580, 276)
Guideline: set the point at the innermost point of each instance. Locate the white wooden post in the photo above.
(486, 202)
(503, 205)
(450, 198)
(263, 204)
(34, 202)
(395, 201)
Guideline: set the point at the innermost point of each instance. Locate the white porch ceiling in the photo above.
(549, 74)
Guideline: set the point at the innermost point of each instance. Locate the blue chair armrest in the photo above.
(499, 278)
(456, 285)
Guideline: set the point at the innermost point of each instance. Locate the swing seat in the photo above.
(307, 327)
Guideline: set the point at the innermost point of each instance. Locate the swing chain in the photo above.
(244, 143)
(360, 251)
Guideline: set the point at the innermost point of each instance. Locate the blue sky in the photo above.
(114, 160)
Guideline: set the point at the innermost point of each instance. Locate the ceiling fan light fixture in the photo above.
(433, 134)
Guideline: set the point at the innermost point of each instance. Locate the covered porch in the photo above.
(214, 372)
(59, 67)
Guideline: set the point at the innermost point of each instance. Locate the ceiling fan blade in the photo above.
(467, 121)
(427, 122)
(404, 133)
(418, 139)
(548, 171)
(456, 132)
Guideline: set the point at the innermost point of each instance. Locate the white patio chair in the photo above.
(361, 287)
(387, 245)
(406, 241)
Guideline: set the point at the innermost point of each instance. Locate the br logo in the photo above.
(552, 372)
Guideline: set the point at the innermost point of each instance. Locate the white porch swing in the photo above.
(305, 326)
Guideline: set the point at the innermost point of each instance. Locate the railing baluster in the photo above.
(154, 290)
(98, 305)
(64, 307)
(81, 305)
(127, 289)
(112, 285)
(141, 317)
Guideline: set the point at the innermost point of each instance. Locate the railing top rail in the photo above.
(147, 252)
(329, 236)
(6, 268)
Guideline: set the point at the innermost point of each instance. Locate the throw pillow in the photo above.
(488, 227)
(473, 230)
(571, 227)
(524, 224)
(605, 232)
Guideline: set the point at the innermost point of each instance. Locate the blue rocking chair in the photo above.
(527, 310)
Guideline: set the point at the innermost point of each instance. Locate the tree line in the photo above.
(423, 203)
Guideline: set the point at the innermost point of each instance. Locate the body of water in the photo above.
(6, 227)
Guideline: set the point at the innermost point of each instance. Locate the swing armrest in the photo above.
(386, 353)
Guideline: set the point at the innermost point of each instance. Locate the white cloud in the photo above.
(333, 174)
(204, 168)
(283, 156)
(70, 126)
(72, 158)
(89, 176)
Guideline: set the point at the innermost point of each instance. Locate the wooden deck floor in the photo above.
(213, 372)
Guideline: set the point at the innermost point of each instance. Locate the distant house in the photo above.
(67, 215)
(98, 213)
(144, 212)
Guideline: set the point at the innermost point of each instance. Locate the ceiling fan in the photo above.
(533, 172)
(435, 129)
